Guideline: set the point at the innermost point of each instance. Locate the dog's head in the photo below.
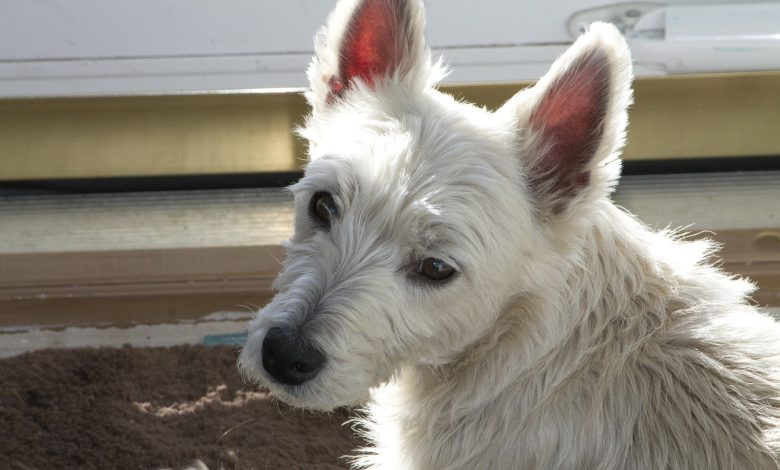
(420, 217)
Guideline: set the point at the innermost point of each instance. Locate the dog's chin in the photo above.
(308, 398)
(313, 395)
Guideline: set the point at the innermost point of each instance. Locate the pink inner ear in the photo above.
(570, 118)
(373, 43)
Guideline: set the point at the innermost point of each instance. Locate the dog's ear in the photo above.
(572, 123)
(368, 41)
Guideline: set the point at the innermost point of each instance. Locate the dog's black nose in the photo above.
(289, 358)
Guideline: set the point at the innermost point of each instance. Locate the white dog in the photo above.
(466, 274)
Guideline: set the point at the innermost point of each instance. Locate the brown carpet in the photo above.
(150, 408)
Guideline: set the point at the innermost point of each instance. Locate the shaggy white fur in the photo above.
(570, 336)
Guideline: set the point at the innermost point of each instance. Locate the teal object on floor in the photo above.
(227, 339)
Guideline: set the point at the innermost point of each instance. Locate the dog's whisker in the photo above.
(273, 256)
(233, 428)
(252, 308)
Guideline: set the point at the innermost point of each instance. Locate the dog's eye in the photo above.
(323, 208)
(435, 269)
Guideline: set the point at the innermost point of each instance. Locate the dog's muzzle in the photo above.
(289, 358)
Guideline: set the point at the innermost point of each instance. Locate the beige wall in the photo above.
(681, 117)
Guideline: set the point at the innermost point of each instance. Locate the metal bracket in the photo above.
(628, 17)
